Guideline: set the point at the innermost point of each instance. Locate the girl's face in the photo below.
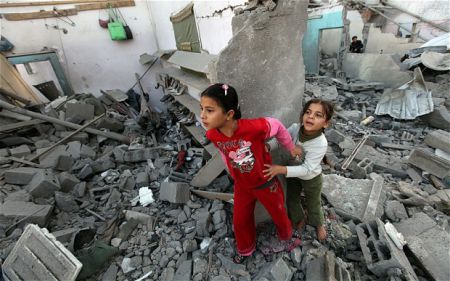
(314, 118)
(212, 115)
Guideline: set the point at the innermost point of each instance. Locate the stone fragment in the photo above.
(30, 212)
(174, 192)
(21, 175)
(43, 184)
(20, 151)
(65, 202)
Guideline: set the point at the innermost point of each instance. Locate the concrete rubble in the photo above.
(141, 195)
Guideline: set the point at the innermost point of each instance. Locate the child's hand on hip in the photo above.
(274, 170)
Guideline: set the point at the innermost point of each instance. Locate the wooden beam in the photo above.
(40, 15)
(105, 5)
(47, 3)
(68, 12)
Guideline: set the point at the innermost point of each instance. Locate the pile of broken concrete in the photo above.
(126, 211)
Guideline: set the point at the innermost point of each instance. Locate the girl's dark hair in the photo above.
(328, 108)
(225, 96)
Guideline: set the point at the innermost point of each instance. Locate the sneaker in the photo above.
(291, 244)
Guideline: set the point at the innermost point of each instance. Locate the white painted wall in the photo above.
(436, 11)
(93, 61)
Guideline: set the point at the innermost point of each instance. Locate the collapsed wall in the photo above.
(263, 60)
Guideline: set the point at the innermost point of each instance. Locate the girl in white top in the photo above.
(306, 174)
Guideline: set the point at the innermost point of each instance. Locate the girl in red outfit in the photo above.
(242, 145)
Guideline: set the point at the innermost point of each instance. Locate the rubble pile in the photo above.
(119, 193)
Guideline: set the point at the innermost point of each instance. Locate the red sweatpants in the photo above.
(244, 220)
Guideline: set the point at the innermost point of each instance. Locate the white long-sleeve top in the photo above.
(314, 150)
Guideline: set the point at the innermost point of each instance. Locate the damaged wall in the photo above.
(93, 61)
(435, 11)
(90, 58)
(375, 68)
(263, 63)
(318, 20)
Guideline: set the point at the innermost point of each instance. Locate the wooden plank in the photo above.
(19, 125)
(105, 5)
(48, 3)
(68, 12)
(12, 81)
(40, 14)
(227, 197)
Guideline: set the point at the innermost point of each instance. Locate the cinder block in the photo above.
(43, 184)
(33, 213)
(67, 181)
(87, 152)
(37, 255)
(174, 192)
(380, 252)
(20, 151)
(21, 175)
(363, 168)
(83, 110)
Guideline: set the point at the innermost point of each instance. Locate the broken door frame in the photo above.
(50, 56)
(319, 19)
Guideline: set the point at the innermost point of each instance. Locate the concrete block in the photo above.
(326, 266)
(4, 152)
(363, 168)
(65, 202)
(203, 224)
(21, 175)
(102, 165)
(439, 118)
(429, 162)
(37, 255)
(382, 162)
(87, 152)
(67, 181)
(356, 198)
(43, 184)
(83, 110)
(184, 271)
(439, 139)
(20, 151)
(395, 211)
(20, 195)
(59, 158)
(174, 192)
(85, 172)
(276, 270)
(141, 179)
(380, 252)
(140, 155)
(429, 244)
(74, 149)
(211, 170)
(38, 214)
